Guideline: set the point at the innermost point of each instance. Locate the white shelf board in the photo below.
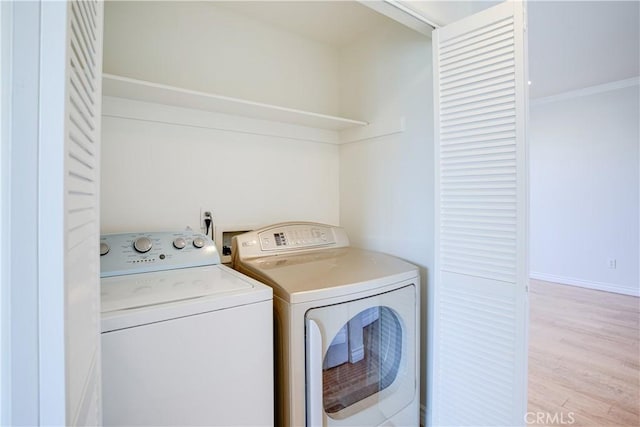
(140, 90)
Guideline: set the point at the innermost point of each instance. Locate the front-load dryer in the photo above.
(346, 326)
(186, 341)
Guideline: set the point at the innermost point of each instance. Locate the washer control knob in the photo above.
(142, 244)
(179, 243)
(199, 242)
(104, 248)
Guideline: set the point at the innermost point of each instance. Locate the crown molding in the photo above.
(592, 90)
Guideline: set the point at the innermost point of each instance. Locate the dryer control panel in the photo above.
(131, 253)
(288, 238)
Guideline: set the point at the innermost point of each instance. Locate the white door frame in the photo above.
(6, 26)
(20, 334)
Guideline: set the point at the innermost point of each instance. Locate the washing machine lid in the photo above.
(138, 299)
(310, 276)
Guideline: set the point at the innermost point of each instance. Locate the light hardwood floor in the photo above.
(584, 357)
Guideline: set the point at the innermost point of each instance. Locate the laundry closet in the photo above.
(320, 111)
(263, 112)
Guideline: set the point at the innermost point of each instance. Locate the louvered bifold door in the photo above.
(82, 211)
(70, 102)
(480, 295)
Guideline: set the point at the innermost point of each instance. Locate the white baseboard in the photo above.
(600, 286)
(356, 354)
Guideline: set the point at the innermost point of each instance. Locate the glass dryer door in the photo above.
(361, 359)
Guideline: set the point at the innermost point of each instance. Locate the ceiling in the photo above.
(578, 44)
(572, 44)
(332, 22)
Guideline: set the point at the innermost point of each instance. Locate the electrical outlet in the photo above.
(206, 214)
(613, 263)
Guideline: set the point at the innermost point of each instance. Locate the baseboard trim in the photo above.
(572, 281)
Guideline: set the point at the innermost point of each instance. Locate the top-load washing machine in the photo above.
(186, 341)
(347, 326)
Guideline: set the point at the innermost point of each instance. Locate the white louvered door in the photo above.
(480, 296)
(69, 223)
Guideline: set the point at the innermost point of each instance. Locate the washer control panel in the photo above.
(131, 253)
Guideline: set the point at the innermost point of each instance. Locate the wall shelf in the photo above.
(140, 90)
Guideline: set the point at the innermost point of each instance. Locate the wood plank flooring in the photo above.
(584, 357)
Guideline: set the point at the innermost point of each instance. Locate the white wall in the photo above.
(158, 176)
(202, 46)
(585, 189)
(386, 184)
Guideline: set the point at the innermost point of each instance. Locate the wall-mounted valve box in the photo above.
(223, 236)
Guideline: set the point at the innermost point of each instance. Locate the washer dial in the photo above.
(142, 244)
(104, 248)
(199, 242)
(179, 243)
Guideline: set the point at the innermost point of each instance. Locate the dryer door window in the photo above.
(361, 359)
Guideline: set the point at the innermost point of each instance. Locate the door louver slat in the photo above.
(475, 36)
(468, 93)
(471, 75)
(461, 83)
(479, 84)
(497, 47)
(482, 107)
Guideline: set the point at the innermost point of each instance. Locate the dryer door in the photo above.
(361, 359)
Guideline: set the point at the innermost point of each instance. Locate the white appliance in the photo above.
(185, 340)
(347, 328)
